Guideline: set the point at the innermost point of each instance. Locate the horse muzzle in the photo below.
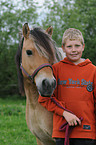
(46, 87)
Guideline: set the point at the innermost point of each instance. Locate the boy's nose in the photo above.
(73, 48)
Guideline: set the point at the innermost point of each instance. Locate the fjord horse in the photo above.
(35, 55)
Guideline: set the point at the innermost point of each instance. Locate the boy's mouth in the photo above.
(74, 54)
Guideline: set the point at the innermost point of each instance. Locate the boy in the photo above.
(75, 91)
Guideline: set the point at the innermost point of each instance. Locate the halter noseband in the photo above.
(31, 77)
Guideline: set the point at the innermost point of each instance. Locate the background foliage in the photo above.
(60, 14)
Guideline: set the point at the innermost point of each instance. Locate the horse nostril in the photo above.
(49, 84)
(45, 83)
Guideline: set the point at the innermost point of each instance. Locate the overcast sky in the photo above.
(40, 11)
(39, 1)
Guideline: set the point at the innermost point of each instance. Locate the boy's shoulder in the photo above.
(92, 65)
(86, 62)
(57, 64)
(89, 66)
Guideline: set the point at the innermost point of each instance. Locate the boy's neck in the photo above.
(78, 61)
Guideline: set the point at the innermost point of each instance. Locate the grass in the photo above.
(13, 128)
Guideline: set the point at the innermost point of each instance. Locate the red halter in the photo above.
(31, 77)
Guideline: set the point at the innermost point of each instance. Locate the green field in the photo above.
(13, 128)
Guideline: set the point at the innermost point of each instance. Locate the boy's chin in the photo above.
(75, 60)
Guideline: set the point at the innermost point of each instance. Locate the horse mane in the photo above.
(44, 45)
(18, 62)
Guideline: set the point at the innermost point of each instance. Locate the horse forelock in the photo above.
(44, 44)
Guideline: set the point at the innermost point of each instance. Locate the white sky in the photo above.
(39, 1)
(40, 11)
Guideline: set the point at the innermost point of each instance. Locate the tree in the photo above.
(57, 15)
(87, 18)
(81, 14)
(12, 19)
(60, 14)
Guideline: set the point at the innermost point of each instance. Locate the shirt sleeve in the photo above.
(51, 105)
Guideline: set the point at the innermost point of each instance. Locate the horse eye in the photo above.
(29, 52)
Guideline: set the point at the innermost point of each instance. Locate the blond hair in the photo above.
(72, 34)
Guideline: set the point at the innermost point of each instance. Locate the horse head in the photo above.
(37, 48)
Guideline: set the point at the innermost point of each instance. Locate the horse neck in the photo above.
(31, 93)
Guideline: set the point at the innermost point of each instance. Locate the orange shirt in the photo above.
(76, 85)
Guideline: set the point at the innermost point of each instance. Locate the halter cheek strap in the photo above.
(31, 77)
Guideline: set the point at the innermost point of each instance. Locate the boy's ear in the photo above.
(63, 47)
(83, 47)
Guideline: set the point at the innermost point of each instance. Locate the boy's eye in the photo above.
(77, 45)
(69, 46)
(29, 52)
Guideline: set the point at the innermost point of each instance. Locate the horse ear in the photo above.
(26, 30)
(49, 30)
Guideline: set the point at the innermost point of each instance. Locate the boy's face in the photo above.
(73, 50)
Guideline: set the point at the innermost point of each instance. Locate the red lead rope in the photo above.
(68, 129)
(65, 126)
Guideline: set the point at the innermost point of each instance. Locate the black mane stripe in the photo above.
(18, 60)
